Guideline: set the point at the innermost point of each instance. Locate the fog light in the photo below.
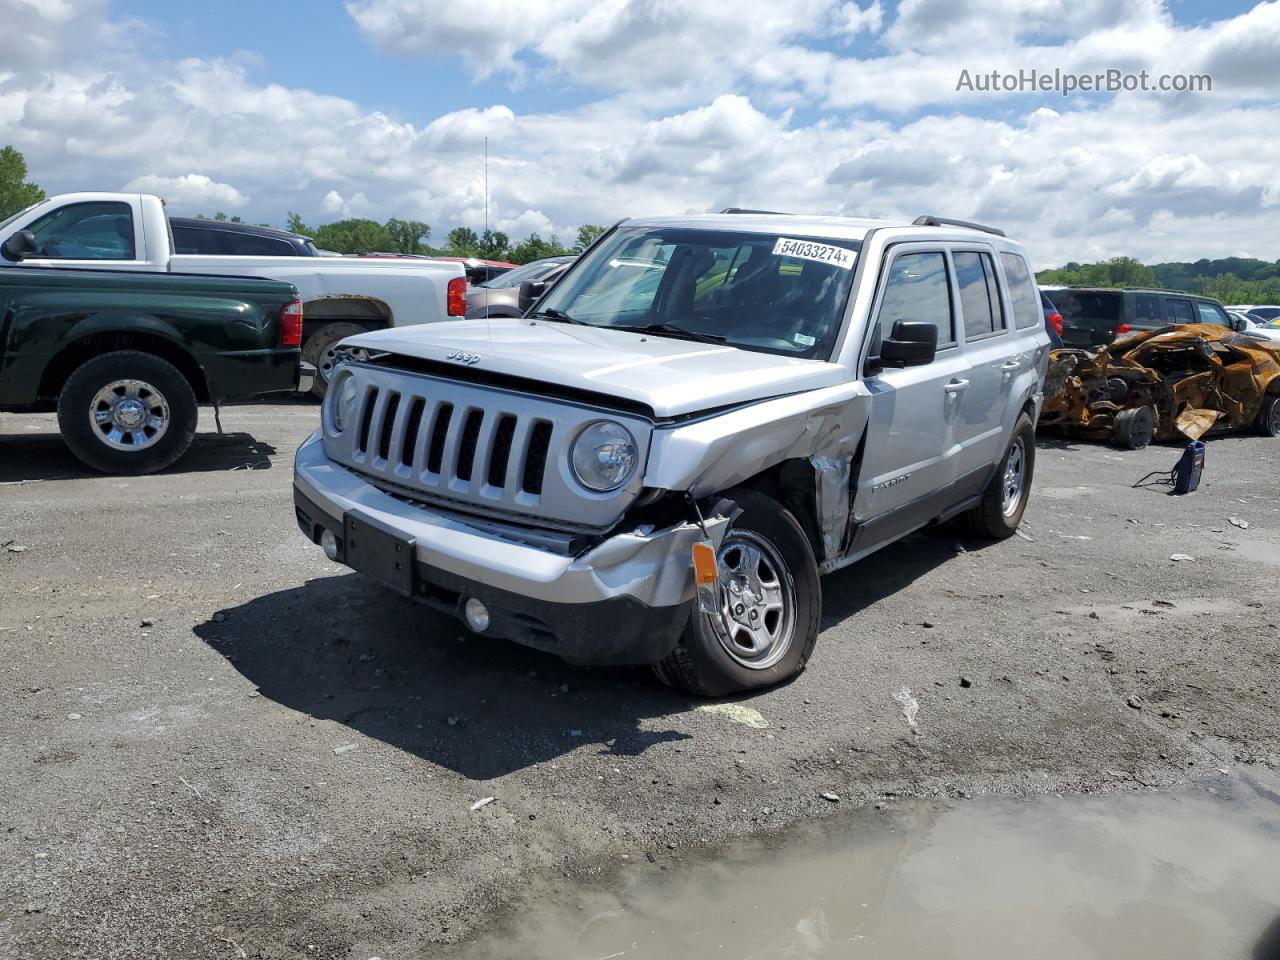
(477, 615)
(329, 544)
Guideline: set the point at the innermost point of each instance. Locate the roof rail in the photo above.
(928, 220)
(772, 213)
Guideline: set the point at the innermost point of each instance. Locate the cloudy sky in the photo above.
(600, 109)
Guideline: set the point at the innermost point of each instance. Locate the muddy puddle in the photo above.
(1194, 874)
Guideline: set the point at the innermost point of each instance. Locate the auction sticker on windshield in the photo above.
(821, 252)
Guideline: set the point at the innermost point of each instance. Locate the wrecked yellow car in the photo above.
(1188, 380)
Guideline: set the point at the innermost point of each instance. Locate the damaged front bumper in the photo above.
(623, 601)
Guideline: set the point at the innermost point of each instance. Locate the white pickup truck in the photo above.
(341, 296)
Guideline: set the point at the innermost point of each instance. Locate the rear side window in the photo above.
(86, 231)
(1180, 311)
(917, 290)
(1027, 311)
(1146, 310)
(1085, 307)
(979, 299)
(247, 245)
(1212, 313)
(192, 240)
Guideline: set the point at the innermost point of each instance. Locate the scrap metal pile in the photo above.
(1157, 384)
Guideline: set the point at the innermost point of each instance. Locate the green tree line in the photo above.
(1229, 279)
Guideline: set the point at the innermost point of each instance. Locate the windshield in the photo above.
(513, 278)
(774, 293)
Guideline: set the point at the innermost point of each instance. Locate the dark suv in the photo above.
(220, 238)
(1094, 316)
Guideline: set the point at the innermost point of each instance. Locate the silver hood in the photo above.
(671, 376)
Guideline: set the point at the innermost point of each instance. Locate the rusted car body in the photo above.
(1187, 380)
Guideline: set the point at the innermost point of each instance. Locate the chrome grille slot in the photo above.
(477, 448)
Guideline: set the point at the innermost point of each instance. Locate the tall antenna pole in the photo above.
(486, 184)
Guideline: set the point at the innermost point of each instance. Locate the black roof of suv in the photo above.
(223, 238)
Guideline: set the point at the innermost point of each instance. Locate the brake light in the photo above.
(291, 324)
(1123, 328)
(1055, 321)
(456, 297)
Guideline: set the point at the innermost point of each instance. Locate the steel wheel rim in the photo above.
(1014, 477)
(754, 579)
(328, 360)
(129, 415)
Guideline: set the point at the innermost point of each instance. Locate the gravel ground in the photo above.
(218, 744)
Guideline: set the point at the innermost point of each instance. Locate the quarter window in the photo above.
(1027, 311)
(979, 298)
(917, 290)
(86, 231)
(247, 245)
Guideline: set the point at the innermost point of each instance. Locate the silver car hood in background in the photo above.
(671, 376)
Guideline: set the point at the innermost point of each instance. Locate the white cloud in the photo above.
(189, 191)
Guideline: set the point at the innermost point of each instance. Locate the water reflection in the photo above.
(1195, 875)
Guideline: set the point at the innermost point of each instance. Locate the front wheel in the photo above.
(770, 604)
(127, 412)
(1005, 499)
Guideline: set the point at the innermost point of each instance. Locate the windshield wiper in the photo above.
(671, 330)
(551, 313)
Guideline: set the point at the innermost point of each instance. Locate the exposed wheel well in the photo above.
(793, 484)
(74, 354)
(373, 314)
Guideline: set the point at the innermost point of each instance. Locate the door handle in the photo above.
(956, 386)
(1010, 365)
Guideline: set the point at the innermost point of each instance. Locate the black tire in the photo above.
(162, 389)
(1134, 428)
(994, 516)
(316, 350)
(701, 662)
(1268, 422)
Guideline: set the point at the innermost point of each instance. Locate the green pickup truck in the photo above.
(125, 357)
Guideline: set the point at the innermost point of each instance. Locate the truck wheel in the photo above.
(1269, 416)
(127, 412)
(1134, 428)
(1005, 499)
(319, 351)
(771, 603)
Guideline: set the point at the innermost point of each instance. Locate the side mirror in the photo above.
(911, 344)
(21, 244)
(530, 292)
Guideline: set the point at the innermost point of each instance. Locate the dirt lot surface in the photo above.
(215, 743)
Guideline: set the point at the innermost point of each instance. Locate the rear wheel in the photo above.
(1134, 428)
(127, 412)
(1268, 421)
(320, 350)
(770, 603)
(1005, 499)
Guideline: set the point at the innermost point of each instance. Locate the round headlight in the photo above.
(604, 456)
(344, 396)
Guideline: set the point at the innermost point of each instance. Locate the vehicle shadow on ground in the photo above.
(43, 456)
(887, 571)
(344, 648)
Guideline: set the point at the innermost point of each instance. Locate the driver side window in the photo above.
(86, 231)
(917, 289)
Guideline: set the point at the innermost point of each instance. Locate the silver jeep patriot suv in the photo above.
(656, 464)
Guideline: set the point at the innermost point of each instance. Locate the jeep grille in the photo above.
(475, 447)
